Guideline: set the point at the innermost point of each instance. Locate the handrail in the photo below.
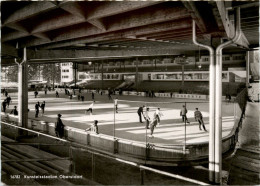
(29, 130)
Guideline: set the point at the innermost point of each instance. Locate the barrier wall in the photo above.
(154, 154)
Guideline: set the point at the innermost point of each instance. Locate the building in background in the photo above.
(67, 73)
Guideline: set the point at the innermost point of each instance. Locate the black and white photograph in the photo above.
(130, 93)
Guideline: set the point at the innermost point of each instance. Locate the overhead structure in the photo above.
(84, 31)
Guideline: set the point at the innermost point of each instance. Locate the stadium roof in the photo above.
(96, 30)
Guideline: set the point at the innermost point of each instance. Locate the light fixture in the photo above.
(90, 63)
(199, 66)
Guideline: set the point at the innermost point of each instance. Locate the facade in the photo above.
(67, 73)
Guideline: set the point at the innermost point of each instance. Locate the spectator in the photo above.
(14, 111)
(59, 127)
(94, 127)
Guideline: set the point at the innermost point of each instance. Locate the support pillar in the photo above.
(136, 74)
(23, 92)
(182, 76)
(247, 68)
(102, 78)
(75, 65)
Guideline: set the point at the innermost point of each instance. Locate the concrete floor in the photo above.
(127, 126)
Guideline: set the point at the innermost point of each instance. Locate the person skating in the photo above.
(43, 107)
(198, 117)
(140, 113)
(183, 113)
(116, 105)
(57, 94)
(92, 95)
(147, 117)
(8, 100)
(59, 127)
(37, 106)
(90, 108)
(158, 114)
(153, 124)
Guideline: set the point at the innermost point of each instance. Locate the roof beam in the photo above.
(190, 5)
(81, 55)
(76, 36)
(28, 11)
(160, 15)
(114, 8)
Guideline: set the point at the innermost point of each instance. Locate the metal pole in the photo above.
(185, 133)
(114, 126)
(212, 79)
(75, 76)
(182, 83)
(146, 137)
(247, 68)
(102, 71)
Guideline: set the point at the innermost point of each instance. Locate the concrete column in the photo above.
(212, 79)
(247, 68)
(23, 92)
(102, 71)
(136, 74)
(218, 119)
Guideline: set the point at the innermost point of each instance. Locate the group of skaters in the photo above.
(6, 103)
(152, 123)
(39, 106)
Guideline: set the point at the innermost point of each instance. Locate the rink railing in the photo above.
(140, 152)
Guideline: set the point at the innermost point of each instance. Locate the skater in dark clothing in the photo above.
(59, 127)
(140, 113)
(6, 93)
(92, 95)
(14, 111)
(8, 100)
(37, 106)
(198, 117)
(82, 98)
(35, 93)
(57, 94)
(43, 107)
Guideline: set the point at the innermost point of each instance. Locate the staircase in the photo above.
(245, 166)
(15, 172)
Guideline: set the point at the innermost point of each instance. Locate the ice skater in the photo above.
(183, 113)
(116, 104)
(147, 117)
(43, 107)
(153, 124)
(158, 114)
(198, 117)
(90, 108)
(37, 106)
(140, 113)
